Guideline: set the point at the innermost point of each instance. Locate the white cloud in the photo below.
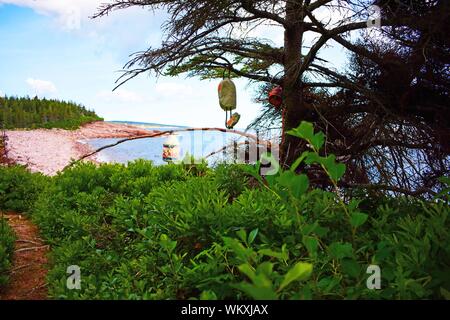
(121, 33)
(41, 87)
(120, 95)
(51, 6)
(69, 13)
(75, 15)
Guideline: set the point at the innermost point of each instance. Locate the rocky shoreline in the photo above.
(50, 150)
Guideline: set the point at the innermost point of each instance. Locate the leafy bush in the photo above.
(7, 239)
(19, 188)
(68, 124)
(180, 232)
(231, 178)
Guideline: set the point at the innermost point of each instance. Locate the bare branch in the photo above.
(248, 6)
(169, 132)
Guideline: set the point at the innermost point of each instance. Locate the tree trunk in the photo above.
(294, 110)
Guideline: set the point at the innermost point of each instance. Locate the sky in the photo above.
(53, 49)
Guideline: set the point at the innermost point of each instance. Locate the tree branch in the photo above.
(317, 4)
(248, 6)
(169, 132)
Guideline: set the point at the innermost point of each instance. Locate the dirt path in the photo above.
(27, 278)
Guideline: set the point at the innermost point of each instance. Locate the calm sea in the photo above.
(198, 143)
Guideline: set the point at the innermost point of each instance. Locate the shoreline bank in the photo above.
(50, 150)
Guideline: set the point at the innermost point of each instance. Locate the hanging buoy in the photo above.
(227, 101)
(171, 149)
(227, 95)
(276, 96)
(233, 120)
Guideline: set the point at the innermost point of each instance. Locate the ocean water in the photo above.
(197, 143)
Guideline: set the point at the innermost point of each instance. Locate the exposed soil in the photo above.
(29, 270)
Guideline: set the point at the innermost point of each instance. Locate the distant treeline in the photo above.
(42, 113)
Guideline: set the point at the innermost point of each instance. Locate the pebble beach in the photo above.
(50, 150)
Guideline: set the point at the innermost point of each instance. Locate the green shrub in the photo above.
(231, 178)
(7, 239)
(184, 232)
(182, 238)
(19, 188)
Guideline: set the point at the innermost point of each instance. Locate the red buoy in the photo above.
(276, 96)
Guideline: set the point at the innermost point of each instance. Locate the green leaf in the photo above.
(261, 287)
(265, 268)
(239, 250)
(167, 243)
(242, 234)
(321, 231)
(208, 295)
(252, 236)
(313, 157)
(309, 228)
(253, 171)
(327, 284)
(351, 267)
(257, 292)
(301, 271)
(358, 219)
(318, 140)
(300, 185)
(306, 130)
(285, 178)
(297, 184)
(299, 160)
(271, 180)
(311, 245)
(340, 250)
(248, 271)
(282, 256)
(383, 251)
(335, 170)
(354, 203)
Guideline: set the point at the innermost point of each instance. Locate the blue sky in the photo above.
(51, 48)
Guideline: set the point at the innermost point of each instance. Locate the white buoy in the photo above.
(171, 149)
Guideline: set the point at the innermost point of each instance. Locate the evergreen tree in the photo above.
(35, 113)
